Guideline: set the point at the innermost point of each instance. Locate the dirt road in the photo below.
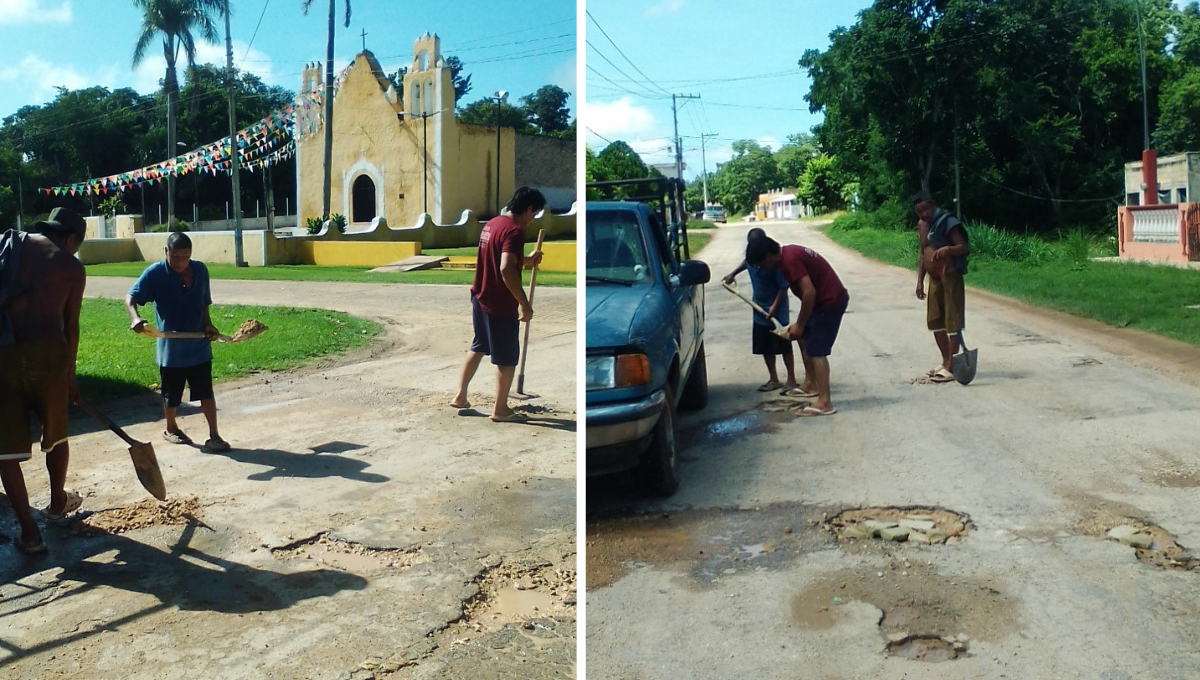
(360, 528)
(1066, 433)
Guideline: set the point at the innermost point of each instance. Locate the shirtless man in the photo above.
(37, 371)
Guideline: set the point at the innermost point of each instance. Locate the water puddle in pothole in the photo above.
(925, 648)
(1153, 545)
(914, 524)
(521, 603)
(346, 556)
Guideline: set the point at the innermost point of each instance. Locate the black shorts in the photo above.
(822, 330)
(198, 377)
(764, 341)
(496, 336)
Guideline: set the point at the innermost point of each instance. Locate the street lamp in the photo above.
(501, 96)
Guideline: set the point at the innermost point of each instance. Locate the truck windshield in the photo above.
(615, 250)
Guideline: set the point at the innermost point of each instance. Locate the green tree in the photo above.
(794, 157)
(820, 187)
(175, 23)
(738, 182)
(548, 109)
(619, 161)
(327, 182)
(462, 84)
(483, 112)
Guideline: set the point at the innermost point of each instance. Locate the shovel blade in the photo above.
(146, 465)
(963, 365)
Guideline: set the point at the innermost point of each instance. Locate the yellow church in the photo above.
(397, 158)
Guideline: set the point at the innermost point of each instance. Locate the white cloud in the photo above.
(566, 76)
(664, 7)
(145, 78)
(621, 119)
(769, 142)
(37, 79)
(17, 12)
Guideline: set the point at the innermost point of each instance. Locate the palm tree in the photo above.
(176, 23)
(328, 101)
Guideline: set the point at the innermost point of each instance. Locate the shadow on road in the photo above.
(182, 578)
(321, 462)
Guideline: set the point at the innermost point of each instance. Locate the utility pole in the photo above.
(704, 166)
(425, 163)
(328, 176)
(958, 209)
(20, 204)
(235, 163)
(678, 146)
(1149, 157)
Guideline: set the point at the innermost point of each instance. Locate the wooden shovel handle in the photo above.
(107, 422)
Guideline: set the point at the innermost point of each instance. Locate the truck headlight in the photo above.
(623, 370)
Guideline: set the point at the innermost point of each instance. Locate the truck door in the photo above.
(682, 297)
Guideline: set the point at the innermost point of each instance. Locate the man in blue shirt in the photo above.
(770, 291)
(179, 288)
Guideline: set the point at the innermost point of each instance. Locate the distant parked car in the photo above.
(714, 213)
(750, 218)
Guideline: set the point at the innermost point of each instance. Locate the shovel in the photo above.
(152, 332)
(780, 329)
(142, 454)
(525, 345)
(963, 364)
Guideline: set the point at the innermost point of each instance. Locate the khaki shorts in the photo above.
(946, 304)
(33, 377)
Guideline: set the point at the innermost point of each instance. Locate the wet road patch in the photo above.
(705, 545)
(147, 513)
(926, 648)
(914, 524)
(914, 600)
(1154, 545)
(346, 555)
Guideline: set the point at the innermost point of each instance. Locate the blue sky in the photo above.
(514, 45)
(740, 57)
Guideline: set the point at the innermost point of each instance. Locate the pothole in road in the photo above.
(915, 602)
(926, 648)
(512, 592)
(147, 513)
(1152, 544)
(346, 555)
(914, 524)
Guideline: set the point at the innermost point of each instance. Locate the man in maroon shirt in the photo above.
(498, 302)
(823, 301)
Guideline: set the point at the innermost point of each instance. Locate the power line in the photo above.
(256, 27)
(606, 139)
(1118, 197)
(618, 69)
(619, 51)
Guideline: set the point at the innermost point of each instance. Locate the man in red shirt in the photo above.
(823, 301)
(498, 302)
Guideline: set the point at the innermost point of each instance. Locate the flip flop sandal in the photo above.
(770, 386)
(74, 501)
(797, 392)
(217, 445)
(942, 376)
(465, 404)
(813, 411)
(29, 549)
(176, 437)
(513, 417)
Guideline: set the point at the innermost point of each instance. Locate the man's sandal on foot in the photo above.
(73, 503)
(813, 411)
(176, 437)
(770, 386)
(513, 417)
(942, 376)
(799, 392)
(29, 548)
(217, 445)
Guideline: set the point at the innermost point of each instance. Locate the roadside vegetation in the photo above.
(1052, 272)
(115, 362)
(302, 272)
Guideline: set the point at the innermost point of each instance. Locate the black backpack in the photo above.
(10, 265)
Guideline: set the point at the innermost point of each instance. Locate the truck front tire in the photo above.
(658, 473)
(695, 392)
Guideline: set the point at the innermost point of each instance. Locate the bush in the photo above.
(339, 221)
(893, 215)
(313, 224)
(176, 225)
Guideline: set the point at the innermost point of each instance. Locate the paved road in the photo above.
(1067, 431)
(360, 528)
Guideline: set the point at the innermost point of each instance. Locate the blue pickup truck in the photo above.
(645, 340)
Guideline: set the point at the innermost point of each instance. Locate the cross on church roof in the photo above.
(364, 39)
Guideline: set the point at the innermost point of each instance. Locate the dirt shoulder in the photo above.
(359, 527)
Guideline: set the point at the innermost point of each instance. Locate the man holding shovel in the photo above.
(38, 346)
(498, 302)
(179, 288)
(823, 302)
(944, 252)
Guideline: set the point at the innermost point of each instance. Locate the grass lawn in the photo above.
(1127, 295)
(301, 272)
(696, 242)
(115, 362)
(470, 251)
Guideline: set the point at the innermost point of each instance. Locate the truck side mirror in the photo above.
(694, 273)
